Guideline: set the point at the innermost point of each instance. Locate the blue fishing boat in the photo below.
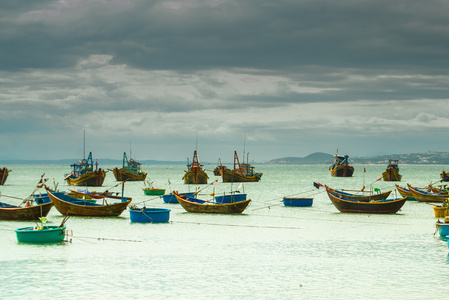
(43, 234)
(171, 198)
(295, 201)
(149, 215)
(231, 198)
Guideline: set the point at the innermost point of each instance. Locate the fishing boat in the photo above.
(4, 172)
(195, 173)
(42, 234)
(26, 212)
(195, 205)
(33, 207)
(130, 170)
(151, 191)
(341, 167)
(405, 192)
(444, 176)
(392, 171)
(217, 171)
(365, 196)
(149, 215)
(385, 206)
(230, 198)
(83, 173)
(443, 227)
(171, 198)
(242, 172)
(297, 201)
(69, 206)
(423, 196)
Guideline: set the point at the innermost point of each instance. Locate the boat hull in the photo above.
(91, 178)
(405, 193)
(123, 175)
(4, 172)
(25, 213)
(149, 215)
(342, 171)
(65, 207)
(440, 211)
(48, 234)
(427, 197)
(360, 198)
(391, 175)
(230, 198)
(374, 207)
(227, 208)
(171, 198)
(443, 229)
(234, 176)
(195, 177)
(299, 202)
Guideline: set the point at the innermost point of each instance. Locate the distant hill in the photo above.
(430, 157)
(311, 159)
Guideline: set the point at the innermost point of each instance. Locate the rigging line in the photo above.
(106, 239)
(237, 225)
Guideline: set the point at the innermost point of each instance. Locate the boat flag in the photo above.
(240, 185)
(379, 179)
(317, 185)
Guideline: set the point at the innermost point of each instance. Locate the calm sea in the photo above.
(269, 252)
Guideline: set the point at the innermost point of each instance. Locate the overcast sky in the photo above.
(293, 76)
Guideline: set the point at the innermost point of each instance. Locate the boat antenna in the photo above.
(84, 144)
(244, 146)
(196, 141)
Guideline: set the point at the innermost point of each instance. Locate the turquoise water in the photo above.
(269, 252)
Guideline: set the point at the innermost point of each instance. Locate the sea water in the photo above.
(269, 252)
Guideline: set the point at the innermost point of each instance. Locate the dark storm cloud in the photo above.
(192, 35)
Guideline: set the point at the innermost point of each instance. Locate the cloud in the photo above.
(295, 77)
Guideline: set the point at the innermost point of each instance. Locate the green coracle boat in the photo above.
(39, 235)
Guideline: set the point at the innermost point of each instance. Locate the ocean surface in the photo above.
(268, 252)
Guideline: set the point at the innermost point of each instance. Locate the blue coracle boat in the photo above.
(37, 235)
(149, 215)
(443, 229)
(294, 201)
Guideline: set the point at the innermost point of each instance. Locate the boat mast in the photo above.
(84, 144)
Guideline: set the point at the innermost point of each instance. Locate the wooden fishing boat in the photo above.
(83, 173)
(69, 206)
(218, 168)
(195, 173)
(387, 206)
(202, 206)
(341, 167)
(31, 212)
(130, 170)
(149, 215)
(365, 196)
(423, 196)
(4, 172)
(440, 189)
(392, 171)
(405, 192)
(242, 172)
(44, 234)
(297, 201)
